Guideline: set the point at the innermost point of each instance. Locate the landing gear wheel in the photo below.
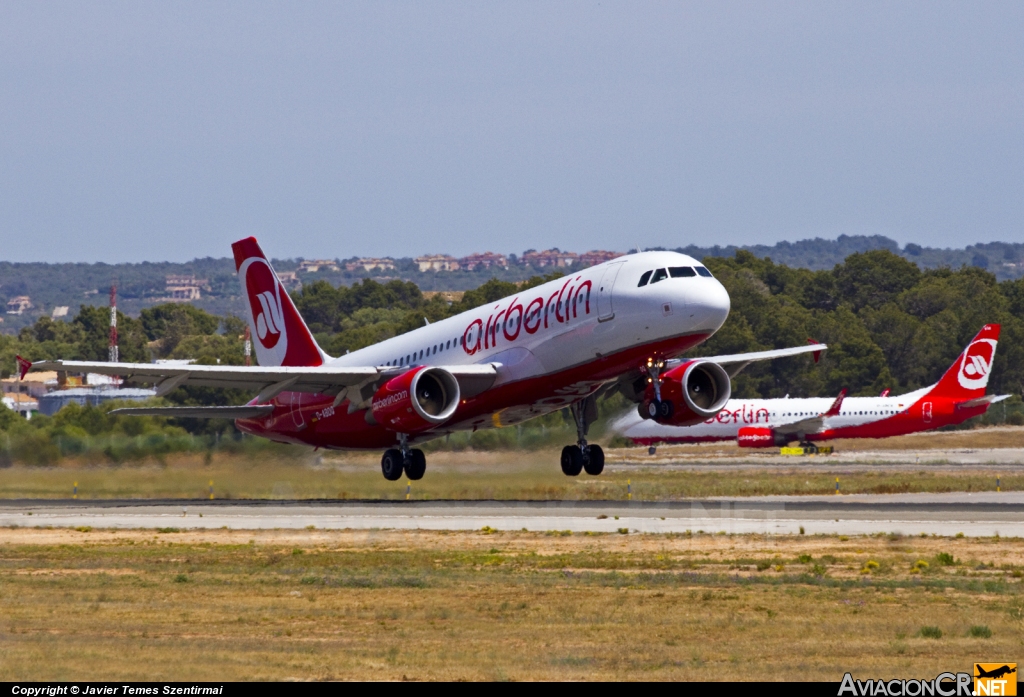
(665, 410)
(652, 450)
(594, 464)
(416, 465)
(391, 464)
(644, 409)
(572, 460)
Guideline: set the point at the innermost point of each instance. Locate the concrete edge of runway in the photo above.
(987, 515)
(1001, 502)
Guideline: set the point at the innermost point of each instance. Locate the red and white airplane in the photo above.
(617, 325)
(766, 423)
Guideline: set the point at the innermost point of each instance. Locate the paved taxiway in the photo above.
(980, 514)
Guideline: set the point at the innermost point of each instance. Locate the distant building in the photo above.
(550, 257)
(450, 296)
(314, 265)
(371, 264)
(185, 288)
(438, 262)
(59, 311)
(597, 256)
(35, 384)
(289, 279)
(18, 305)
(52, 402)
(484, 261)
(23, 404)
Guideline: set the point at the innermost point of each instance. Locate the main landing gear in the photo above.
(582, 456)
(395, 460)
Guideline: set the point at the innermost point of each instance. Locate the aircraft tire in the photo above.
(391, 464)
(665, 410)
(594, 464)
(572, 460)
(417, 465)
(643, 408)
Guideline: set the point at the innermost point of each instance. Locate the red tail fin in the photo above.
(281, 336)
(967, 378)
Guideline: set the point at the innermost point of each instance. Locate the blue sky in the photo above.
(164, 131)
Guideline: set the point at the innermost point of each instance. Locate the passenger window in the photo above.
(704, 272)
(659, 275)
(644, 279)
(681, 271)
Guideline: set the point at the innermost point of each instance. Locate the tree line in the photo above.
(889, 324)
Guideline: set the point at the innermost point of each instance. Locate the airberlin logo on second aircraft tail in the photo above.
(976, 364)
(264, 303)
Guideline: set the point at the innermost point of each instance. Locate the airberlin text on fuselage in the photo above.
(389, 400)
(745, 413)
(531, 317)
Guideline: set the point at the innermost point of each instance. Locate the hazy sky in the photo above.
(164, 131)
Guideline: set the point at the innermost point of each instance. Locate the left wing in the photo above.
(358, 383)
(739, 361)
(815, 423)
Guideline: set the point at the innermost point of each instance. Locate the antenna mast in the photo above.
(112, 352)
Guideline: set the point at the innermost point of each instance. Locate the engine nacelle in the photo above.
(416, 400)
(690, 394)
(760, 437)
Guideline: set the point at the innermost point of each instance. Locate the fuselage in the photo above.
(858, 417)
(552, 345)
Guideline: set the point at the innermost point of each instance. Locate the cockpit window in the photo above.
(704, 272)
(681, 271)
(643, 279)
(659, 275)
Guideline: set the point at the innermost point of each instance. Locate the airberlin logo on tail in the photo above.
(976, 364)
(264, 303)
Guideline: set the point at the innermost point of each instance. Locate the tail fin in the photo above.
(967, 378)
(281, 336)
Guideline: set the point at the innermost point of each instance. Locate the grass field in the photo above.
(501, 475)
(222, 605)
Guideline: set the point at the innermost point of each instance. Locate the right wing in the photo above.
(739, 361)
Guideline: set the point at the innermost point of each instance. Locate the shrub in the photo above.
(945, 559)
(181, 578)
(980, 631)
(804, 558)
(931, 632)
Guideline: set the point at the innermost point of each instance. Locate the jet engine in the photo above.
(760, 437)
(690, 393)
(416, 400)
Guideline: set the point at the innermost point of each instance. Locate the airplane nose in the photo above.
(710, 308)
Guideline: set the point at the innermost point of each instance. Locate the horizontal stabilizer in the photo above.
(239, 412)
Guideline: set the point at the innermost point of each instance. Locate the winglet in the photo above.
(816, 354)
(836, 405)
(885, 392)
(23, 366)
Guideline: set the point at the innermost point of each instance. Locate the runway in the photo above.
(981, 514)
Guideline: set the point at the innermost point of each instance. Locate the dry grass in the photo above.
(496, 475)
(221, 605)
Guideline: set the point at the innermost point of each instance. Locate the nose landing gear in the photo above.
(657, 409)
(583, 456)
(411, 460)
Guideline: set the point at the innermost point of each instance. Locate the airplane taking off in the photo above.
(617, 325)
(766, 423)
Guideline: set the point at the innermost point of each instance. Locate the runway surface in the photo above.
(982, 514)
